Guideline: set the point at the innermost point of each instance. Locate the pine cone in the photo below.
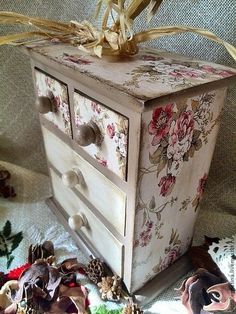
(5, 189)
(96, 270)
(110, 288)
(132, 308)
(40, 251)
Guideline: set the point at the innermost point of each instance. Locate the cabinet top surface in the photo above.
(146, 76)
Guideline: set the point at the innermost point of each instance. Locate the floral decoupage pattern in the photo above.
(112, 153)
(175, 73)
(177, 144)
(57, 91)
(148, 75)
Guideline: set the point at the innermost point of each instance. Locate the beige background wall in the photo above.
(20, 136)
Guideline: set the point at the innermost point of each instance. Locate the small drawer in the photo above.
(77, 173)
(53, 101)
(102, 133)
(102, 240)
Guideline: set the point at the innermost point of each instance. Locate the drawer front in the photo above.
(112, 153)
(102, 240)
(108, 199)
(57, 92)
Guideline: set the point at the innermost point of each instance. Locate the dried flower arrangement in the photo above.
(41, 286)
(117, 38)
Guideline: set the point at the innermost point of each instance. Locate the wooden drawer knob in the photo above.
(44, 104)
(87, 134)
(76, 222)
(72, 177)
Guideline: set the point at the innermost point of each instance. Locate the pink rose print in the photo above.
(222, 73)
(76, 59)
(111, 130)
(200, 190)
(57, 102)
(95, 107)
(202, 185)
(167, 183)
(207, 68)
(101, 160)
(225, 73)
(145, 236)
(171, 257)
(181, 134)
(186, 73)
(160, 123)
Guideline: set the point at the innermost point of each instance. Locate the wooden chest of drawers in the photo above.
(129, 144)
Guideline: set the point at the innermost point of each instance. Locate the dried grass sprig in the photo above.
(117, 38)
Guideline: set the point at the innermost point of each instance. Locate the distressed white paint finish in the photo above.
(109, 200)
(113, 127)
(48, 86)
(107, 245)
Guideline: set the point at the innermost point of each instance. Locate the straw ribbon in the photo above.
(116, 39)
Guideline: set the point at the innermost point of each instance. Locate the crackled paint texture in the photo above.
(112, 154)
(176, 149)
(57, 91)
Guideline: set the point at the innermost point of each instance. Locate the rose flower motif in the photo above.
(111, 130)
(171, 257)
(181, 134)
(202, 185)
(200, 190)
(160, 123)
(167, 183)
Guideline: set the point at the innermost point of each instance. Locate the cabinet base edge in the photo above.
(163, 280)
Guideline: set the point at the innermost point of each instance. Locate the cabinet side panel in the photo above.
(177, 145)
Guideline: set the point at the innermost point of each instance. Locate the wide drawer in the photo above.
(57, 110)
(108, 199)
(112, 129)
(102, 240)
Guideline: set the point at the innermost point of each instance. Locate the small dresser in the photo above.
(129, 144)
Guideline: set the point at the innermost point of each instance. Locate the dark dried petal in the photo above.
(70, 265)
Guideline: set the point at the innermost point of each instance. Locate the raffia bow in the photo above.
(118, 39)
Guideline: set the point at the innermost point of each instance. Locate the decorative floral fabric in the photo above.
(48, 86)
(177, 146)
(112, 154)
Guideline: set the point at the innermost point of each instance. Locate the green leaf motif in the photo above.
(144, 218)
(10, 260)
(8, 242)
(196, 134)
(152, 203)
(156, 156)
(16, 240)
(7, 229)
(102, 309)
(161, 165)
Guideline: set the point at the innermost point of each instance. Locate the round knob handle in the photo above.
(76, 222)
(87, 134)
(44, 104)
(72, 177)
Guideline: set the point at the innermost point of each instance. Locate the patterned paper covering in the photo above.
(148, 75)
(112, 153)
(50, 87)
(178, 140)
